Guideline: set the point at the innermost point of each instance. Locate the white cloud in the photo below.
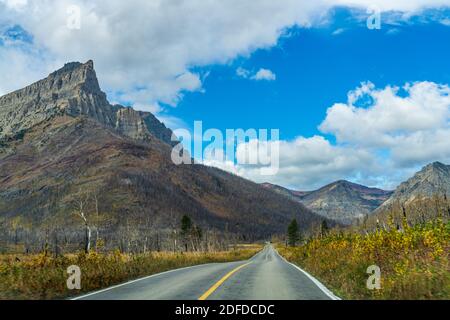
(153, 45)
(310, 162)
(146, 52)
(393, 31)
(393, 115)
(243, 73)
(264, 74)
(20, 65)
(15, 4)
(260, 75)
(392, 133)
(408, 6)
(445, 22)
(338, 31)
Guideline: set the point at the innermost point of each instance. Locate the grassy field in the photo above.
(44, 277)
(414, 262)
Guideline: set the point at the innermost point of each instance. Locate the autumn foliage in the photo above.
(414, 261)
(44, 277)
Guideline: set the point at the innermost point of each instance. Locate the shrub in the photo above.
(414, 262)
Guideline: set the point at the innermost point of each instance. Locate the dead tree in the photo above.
(55, 243)
(97, 218)
(87, 228)
(447, 205)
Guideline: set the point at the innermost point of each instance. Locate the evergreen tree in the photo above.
(186, 229)
(324, 228)
(293, 233)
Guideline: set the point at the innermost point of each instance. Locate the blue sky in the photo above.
(370, 106)
(316, 69)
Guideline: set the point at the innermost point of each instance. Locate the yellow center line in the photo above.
(220, 282)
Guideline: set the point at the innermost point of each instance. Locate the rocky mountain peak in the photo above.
(341, 185)
(433, 179)
(61, 140)
(74, 66)
(76, 75)
(435, 173)
(73, 90)
(436, 166)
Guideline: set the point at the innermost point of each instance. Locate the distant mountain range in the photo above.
(62, 141)
(345, 202)
(341, 201)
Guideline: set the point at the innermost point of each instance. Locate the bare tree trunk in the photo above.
(97, 223)
(175, 240)
(158, 244)
(87, 246)
(56, 244)
(87, 239)
(16, 237)
(96, 238)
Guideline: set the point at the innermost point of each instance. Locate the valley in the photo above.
(75, 153)
(86, 182)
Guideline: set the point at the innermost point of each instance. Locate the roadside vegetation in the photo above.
(413, 259)
(43, 276)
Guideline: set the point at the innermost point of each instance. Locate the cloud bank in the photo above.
(382, 137)
(145, 50)
(146, 53)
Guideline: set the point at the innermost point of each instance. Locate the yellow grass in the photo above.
(44, 277)
(414, 262)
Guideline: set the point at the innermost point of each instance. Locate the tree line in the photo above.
(399, 215)
(295, 237)
(129, 237)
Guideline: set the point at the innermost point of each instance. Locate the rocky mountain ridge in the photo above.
(433, 179)
(75, 91)
(348, 202)
(65, 144)
(341, 201)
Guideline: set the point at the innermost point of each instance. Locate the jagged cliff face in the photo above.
(433, 179)
(74, 91)
(130, 123)
(423, 197)
(65, 142)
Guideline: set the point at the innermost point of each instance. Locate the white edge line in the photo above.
(137, 280)
(325, 290)
(152, 276)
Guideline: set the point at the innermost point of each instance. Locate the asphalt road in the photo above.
(266, 276)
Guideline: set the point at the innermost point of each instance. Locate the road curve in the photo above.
(267, 276)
